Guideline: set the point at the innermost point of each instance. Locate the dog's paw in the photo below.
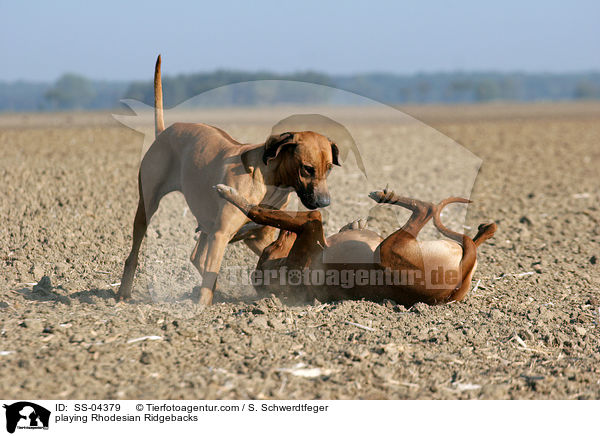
(384, 196)
(359, 224)
(233, 196)
(487, 227)
(376, 195)
(225, 191)
(381, 196)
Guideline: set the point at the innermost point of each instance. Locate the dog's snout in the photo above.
(323, 200)
(314, 196)
(313, 201)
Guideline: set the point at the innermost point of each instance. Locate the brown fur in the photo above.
(159, 122)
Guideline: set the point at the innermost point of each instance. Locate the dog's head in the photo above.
(303, 160)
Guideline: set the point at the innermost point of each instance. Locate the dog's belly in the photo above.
(352, 246)
(441, 254)
(405, 285)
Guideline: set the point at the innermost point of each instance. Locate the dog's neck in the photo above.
(277, 192)
(267, 174)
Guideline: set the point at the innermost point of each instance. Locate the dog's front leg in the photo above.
(215, 249)
(198, 257)
(263, 237)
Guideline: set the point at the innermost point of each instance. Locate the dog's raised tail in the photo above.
(458, 237)
(159, 122)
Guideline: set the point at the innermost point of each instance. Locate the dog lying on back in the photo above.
(303, 264)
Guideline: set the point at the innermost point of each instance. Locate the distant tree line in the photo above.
(473, 87)
(180, 88)
(72, 91)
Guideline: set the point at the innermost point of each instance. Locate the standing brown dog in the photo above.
(398, 268)
(192, 158)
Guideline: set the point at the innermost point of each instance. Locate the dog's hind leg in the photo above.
(215, 248)
(153, 184)
(198, 257)
(468, 261)
(422, 212)
(140, 225)
(401, 251)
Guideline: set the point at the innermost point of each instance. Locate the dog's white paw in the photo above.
(359, 224)
(225, 191)
(233, 196)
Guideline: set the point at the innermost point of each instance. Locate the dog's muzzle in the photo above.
(323, 200)
(313, 201)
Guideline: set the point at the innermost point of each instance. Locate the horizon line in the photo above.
(590, 71)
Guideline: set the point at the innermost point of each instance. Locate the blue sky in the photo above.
(40, 40)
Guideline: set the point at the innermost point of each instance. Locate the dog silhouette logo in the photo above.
(26, 415)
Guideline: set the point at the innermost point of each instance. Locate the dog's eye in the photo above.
(309, 170)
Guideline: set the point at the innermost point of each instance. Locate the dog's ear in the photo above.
(275, 144)
(335, 154)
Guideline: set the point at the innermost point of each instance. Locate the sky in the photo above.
(119, 40)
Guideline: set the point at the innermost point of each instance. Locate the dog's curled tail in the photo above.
(159, 122)
(458, 237)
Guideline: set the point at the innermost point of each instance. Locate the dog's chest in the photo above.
(275, 197)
